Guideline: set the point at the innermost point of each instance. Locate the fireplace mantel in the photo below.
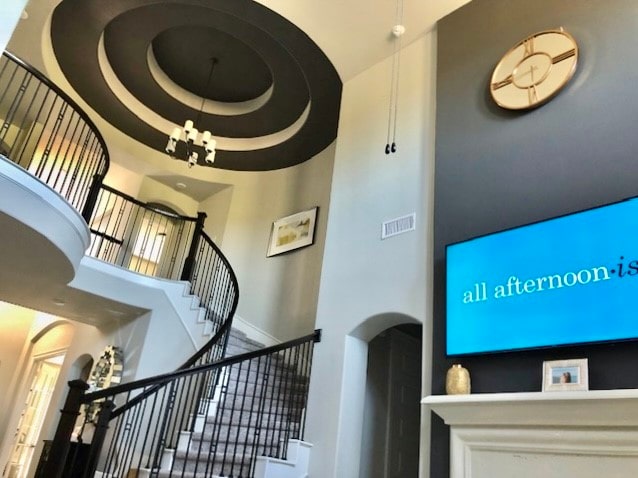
(553, 434)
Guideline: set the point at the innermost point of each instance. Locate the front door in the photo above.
(43, 378)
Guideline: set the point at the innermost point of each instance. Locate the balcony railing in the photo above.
(43, 130)
(140, 237)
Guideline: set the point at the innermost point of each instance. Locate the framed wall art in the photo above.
(292, 232)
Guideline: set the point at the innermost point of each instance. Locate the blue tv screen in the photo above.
(565, 281)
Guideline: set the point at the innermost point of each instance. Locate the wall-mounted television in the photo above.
(564, 281)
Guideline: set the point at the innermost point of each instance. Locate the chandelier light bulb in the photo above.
(210, 157)
(175, 135)
(206, 137)
(192, 159)
(188, 126)
(171, 145)
(210, 146)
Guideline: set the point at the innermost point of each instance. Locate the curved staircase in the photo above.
(216, 415)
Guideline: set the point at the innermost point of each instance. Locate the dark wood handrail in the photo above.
(146, 206)
(160, 380)
(108, 237)
(128, 387)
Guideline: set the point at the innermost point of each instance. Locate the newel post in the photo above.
(91, 199)
(54, 466)
(99, 435)
(189, 263)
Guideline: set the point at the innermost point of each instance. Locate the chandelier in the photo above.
(189, 133)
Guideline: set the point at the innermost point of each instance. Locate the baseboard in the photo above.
(254, 333)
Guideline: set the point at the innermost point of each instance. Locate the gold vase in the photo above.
(457, 380)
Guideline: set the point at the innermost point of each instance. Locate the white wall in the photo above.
(364, 277)
(170, 325)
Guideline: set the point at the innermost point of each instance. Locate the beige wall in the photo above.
(217, 208)
(39, 334)
(10, 11)
(154, 191)
(123, 179)
(25, 334)
(15, 324)
(278, 294)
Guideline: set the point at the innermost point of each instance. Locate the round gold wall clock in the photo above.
(534, 70)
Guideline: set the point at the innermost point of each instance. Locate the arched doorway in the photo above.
(43, 378)
(40, 372)
(391, 423)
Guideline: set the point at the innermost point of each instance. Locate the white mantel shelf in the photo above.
(618, 408)
(551, 435)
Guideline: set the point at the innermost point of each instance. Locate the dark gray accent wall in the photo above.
(497, 169)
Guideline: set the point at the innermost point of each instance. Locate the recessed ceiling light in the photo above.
(115, 313)
(180, 186)
(24, 15)
(59, 302)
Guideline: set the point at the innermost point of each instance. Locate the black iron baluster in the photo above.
(289, 415)
(241, 419)
(94, 192)
(301, 380)
(6, 124)
(75, 161)
(13, 108)
(221, 410)
(55, 138)
(35, 124)
(261, 399)
(101, 428)
(110, 458)
(149, 422)
(165, 419)
(229, 427)
(155, 441)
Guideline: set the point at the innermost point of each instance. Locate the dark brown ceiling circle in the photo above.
(127, 38)
(268, 48)
(184, 54)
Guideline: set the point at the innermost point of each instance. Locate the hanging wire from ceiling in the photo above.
(397, 32)
(190, 132)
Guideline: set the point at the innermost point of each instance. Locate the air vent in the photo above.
(398, 226)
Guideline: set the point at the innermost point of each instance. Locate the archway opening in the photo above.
(43, 377)
(392, 415)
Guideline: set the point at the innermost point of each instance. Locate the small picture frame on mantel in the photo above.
(565, 375)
